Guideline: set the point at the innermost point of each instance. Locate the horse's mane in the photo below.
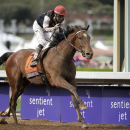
(58, 37)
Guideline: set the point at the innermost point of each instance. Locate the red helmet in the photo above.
(60, 10)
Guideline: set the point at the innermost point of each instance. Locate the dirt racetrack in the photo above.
(41, 124)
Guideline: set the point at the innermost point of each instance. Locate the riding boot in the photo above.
(36, 54)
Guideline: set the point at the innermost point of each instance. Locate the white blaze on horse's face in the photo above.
(85, 35)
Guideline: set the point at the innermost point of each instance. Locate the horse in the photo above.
(58, 66)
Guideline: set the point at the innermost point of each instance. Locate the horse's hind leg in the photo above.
(12, 103)
(22, 88)
(76, 106)
(15, 94)
(19, 89)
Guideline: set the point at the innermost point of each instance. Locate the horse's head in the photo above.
(82, 41)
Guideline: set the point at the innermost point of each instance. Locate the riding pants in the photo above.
(42, 37)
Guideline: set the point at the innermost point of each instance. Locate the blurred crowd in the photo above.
(81, 61)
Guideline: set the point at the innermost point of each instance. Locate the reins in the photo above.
(71, 43)
(61, 56)
(80, 50)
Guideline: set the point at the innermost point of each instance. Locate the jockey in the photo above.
(44, 27)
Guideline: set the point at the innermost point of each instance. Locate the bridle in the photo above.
(80, 50)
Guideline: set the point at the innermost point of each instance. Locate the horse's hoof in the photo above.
(2, 121)
(15, 123)
(83, 107)
(85, 125)
(3, 113)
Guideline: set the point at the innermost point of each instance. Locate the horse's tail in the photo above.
(5, 56)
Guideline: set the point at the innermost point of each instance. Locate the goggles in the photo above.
(60, 16)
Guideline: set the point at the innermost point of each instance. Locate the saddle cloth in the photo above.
(37, 70)
(31, 71)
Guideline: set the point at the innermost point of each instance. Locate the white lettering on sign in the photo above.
(88, 93)
(88, 103)
(40, 101)
(71, 104)
(121, 105)
(83, 114)
(40, 112)
(122, 116)
(48, 91)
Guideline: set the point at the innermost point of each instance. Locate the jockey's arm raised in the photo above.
(46, 25)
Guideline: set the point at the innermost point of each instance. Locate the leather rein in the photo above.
(80, 50)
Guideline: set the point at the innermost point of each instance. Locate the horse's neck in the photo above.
(65, 49)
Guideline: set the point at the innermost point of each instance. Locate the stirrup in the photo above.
(33, 63)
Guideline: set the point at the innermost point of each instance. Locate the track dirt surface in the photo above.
(41, 124)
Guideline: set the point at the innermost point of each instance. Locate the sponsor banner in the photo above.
(40, 102)
(4, 96)
(106, 105)
(116, 105)
(91, 96)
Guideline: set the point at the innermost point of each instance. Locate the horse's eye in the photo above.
(80, 38)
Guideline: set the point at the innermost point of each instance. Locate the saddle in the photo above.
(39, 69)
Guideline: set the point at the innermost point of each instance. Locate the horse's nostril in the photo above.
(92, 55)
(88, 54)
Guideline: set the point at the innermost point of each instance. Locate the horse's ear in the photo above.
(74, 28)
(86, 28)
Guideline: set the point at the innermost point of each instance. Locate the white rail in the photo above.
(3, 74)
(84, 77)
(103, 77)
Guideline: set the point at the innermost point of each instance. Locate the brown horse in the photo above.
(58, 65)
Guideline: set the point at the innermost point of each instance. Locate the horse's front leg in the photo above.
(73, 91)
(76, 106)
(60, 82)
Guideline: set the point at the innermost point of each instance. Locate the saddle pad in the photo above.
(30, 71)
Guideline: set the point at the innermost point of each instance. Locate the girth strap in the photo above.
(45, 80)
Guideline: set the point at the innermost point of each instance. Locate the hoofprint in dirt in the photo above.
(42, 124)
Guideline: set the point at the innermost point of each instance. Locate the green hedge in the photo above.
(18, 104)
(103, 32)
(2, 67)
(82, 69)
(93, 69)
